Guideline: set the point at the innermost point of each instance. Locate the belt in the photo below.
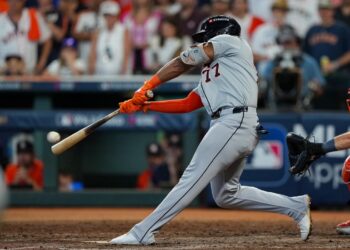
(225, 111)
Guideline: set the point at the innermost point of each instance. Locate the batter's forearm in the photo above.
(172, 69)
(188, 104)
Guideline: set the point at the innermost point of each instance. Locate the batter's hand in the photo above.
(140, 96)
(128, 107)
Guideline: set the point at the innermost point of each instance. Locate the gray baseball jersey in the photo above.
(228, 81)
(231, 79)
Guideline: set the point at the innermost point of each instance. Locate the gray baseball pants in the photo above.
(220, 159)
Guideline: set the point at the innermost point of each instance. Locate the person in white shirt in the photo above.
(22, 30)
(110, 50)
(68, 64)
(143, 23)
(261, 8)
(264, 43)
(87, 24)
(302, 15)
(168, 44)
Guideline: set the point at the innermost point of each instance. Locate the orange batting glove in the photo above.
(128, 107)
(140, 95)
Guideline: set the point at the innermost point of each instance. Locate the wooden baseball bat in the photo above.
(80, 135)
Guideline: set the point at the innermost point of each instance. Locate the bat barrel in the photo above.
(69, 142)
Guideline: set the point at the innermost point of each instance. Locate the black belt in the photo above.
(235, 110)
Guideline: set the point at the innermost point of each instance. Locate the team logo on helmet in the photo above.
(217, 25)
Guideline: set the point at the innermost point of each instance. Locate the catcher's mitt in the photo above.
(300, 152)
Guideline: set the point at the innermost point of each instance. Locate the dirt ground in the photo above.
(76, 228)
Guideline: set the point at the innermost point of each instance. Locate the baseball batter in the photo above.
(228, 90)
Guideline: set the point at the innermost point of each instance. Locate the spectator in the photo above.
(21, 32)
(158, 174)
(88, 23)
(143, 23)
(68, 63)
(14, 66)
(58, 25)
(219, 7)
(261, 8)
(27, 172)
(110, 49)
(329, 41)
(302, 15)
(264, 39)
(69, 9)
(248, 22)
(66, 183)
(173, 148)
(189, 18)
(342, 13)
(292, 61)
(168, 7)
(168, 44)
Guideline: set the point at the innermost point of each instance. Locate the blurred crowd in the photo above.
(301, 47)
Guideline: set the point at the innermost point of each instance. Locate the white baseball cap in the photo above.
(109, 8)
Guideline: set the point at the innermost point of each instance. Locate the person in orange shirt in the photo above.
(27, 171)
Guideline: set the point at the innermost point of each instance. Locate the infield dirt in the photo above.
(76, 228)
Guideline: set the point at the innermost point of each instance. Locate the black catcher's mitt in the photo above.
(301, 153)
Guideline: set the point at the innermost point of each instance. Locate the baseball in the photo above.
(53, 137)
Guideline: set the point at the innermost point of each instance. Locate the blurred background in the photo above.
(67, 63)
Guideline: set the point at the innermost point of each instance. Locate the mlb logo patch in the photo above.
(267, 155)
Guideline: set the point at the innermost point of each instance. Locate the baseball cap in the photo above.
(325, 4)
(24, 147)
(280, 4)
(154, 149)
(70, 42)
(109, 8)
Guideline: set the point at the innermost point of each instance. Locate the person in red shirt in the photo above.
(27, 171)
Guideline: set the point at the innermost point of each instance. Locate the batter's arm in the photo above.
(177, 66)
(194, 56)
(185, 105)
